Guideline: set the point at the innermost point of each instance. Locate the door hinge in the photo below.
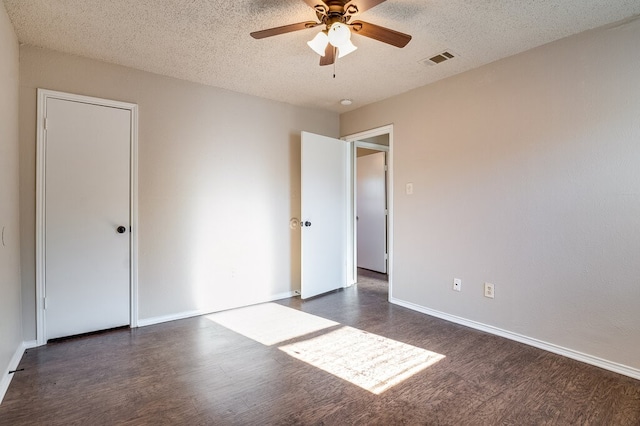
(386, 256)
(386, 168)
(45, 303)
(46, 123)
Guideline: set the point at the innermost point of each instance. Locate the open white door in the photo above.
(371, 215)
(324, 214)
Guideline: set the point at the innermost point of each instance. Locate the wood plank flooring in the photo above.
(197, 372)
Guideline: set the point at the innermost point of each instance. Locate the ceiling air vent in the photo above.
(439, 58)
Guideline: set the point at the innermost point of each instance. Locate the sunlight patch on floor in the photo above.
(367, 360)
(372, 362)
(270, 323)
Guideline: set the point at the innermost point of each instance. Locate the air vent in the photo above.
(439, 58)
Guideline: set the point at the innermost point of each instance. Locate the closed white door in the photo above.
(87, 211)
(371, 213)
(324, 214)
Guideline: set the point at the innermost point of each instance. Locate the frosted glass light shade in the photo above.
(319, 43)
(346, 48)
(339, 34)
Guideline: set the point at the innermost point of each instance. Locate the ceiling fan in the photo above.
(335, 16)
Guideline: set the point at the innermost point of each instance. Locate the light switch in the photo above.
(409, 188)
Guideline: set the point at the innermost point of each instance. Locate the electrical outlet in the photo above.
(457, 284)
(489, 290)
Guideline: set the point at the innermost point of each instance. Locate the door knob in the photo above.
(121, 229)
(307, 223)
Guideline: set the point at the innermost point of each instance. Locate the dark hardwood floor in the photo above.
(197, 372)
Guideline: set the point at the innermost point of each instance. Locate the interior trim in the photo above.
(352, 251)
(550, 347)
(5, 381)
(189, 314)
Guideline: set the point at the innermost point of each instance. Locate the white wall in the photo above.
(219, 180)
(526, 174)
(10, 304)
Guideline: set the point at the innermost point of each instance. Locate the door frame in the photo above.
(354, 141)
(43, 96)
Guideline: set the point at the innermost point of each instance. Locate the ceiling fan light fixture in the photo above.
(319, 43)
(339, 34)
(334, 19)
(346, 48)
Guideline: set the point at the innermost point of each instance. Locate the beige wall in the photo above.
(526, 174)
(219, 179)
(10, 305)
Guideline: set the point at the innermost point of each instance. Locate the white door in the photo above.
(324, 214)
(371, 212)
(87, 258)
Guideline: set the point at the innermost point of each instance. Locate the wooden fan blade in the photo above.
(284, 29)
(382, 34)
(362, 5)
(317, 5)
(329, 55)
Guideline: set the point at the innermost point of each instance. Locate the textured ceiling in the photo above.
(207, 41)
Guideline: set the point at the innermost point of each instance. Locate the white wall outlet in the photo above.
(409, 188)
(457, 284)
(489, 290)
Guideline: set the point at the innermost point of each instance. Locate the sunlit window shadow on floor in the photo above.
(372, 362)
(270, 323)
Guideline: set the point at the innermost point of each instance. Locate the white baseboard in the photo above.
(550, 347)
(284, 295)
(13, 364)
(30, 344)
(171, 317)
(188, 314)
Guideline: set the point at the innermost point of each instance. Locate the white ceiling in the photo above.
(207, 41)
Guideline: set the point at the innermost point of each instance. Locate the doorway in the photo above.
(375, 142)
(86, 210)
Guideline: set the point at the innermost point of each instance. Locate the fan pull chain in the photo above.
(334, 68)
